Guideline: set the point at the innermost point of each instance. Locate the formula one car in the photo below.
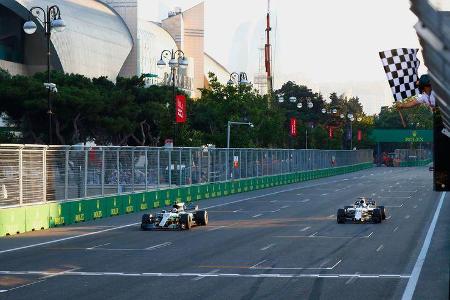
(178, 218)
(363, 210)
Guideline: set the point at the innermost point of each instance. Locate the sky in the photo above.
(328, 45)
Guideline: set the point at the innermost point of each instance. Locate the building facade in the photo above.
(108, 38)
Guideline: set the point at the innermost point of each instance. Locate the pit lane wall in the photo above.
(53, 214)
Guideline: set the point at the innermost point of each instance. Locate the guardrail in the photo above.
(31, 174)
(415, 163)
(16, 220)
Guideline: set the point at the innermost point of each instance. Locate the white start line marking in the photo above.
(267, 247)
(206, 275)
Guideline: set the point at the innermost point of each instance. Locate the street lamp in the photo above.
(51, 19)
(238, 78)
(228, 140)
(176, 61)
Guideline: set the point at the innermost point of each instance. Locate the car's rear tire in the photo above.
(201, 217)
(376, 215)
(186, 221)
(341, 216)
(146, 219)
(383, 212)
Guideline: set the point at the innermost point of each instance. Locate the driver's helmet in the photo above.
(174, 210)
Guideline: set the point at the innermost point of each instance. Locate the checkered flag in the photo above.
(401, 67)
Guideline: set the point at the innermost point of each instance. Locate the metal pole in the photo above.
(351, 135)
(21, 176)
(48, 29)
(180, 173)
(103, 171)
(306, 142)
(228, 134)
(146, 169)
(66, 176)
(44, 175)
(85, 171)
(158, 166)
(118, 170)
(208, 168)
(190, 166)
(170, 167)
(132, 170)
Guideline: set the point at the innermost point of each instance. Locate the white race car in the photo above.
(178, 218)
(364, 209)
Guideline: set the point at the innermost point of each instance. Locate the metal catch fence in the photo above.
(35, 174)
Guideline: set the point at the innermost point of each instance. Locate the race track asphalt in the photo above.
(277, 243)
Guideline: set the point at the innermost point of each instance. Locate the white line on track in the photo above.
(137, 223)
(258, 215)
(306, 200)
(314, 234)
(388, 217)
(2, 291)
(395, 229)
(216, 228)
(98, 246)
(237, 210)
(255, 265)
(306, 228)
(285, 206)
(395, 206)
(159, 246)
(324, 194)
(67, 238)
(415, 206)
(210, 273)
(276, 210)
(267, 247)
(226, 275)
(407, 216)
(379, 248)
(351, 279)
(412, 282)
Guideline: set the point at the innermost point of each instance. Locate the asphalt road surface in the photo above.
(277, 243)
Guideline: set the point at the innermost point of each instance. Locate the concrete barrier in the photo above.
(17, 220)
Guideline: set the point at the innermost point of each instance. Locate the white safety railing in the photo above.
(35, 174)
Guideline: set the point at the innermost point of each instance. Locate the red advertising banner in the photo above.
(359, 135)
(180, 109)
(330, 132)
(293, 127)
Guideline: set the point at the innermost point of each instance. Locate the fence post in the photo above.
(209, 165)
(146, 169)
(44, 175)
(169, 168)
(20, 176)
(190, 165)
(86, 152)
(132, 169)
(118, 170)
(158, 167)
(226, 163)
(200, 158)
(181, 172)
(103, 171)
(66, 175)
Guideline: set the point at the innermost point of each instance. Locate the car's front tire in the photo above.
(383, 212)
(376, 215)
(201, 217)
(186, 221)
(341, 216)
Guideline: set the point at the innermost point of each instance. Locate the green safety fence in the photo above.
(42, 216)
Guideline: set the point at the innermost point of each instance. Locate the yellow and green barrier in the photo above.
(17, 220)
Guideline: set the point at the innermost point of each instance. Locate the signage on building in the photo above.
(293, 127)
(180, 109)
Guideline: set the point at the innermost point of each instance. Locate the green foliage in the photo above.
(129, 113)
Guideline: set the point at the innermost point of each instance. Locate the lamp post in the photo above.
(228, 140)
(50, 17)
(176, 61)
